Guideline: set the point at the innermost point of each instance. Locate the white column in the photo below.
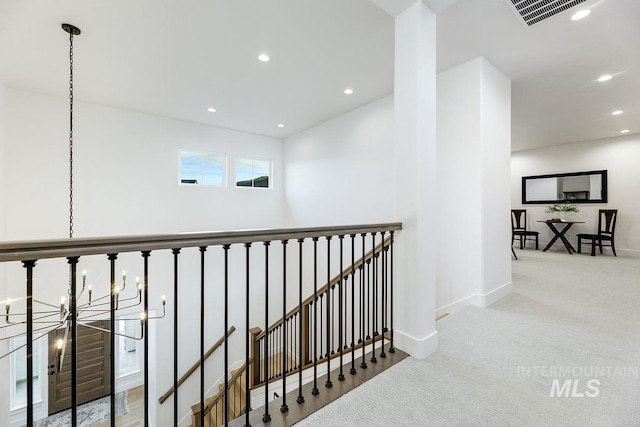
(415, 180)
(474, 140)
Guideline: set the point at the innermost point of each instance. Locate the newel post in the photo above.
(255, 356)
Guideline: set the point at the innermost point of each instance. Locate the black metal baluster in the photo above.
(203, 249)
(363, 320)
(112, 336)
(374, 299)
(353, 371)
(328, 382)
(302, 358)
(284, 407)
(73, 262)
(247, 403)
(322, 354)
(29, 266)
(340, 311)
(391, 348)
(145, 257)
(382, 286)
(266, 417)
(315, 390)
(226, 328)
(175, 252)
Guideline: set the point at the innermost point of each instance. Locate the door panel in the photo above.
(94, 368)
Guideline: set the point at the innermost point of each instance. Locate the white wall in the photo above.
(125, 173)
(4, 365)
(617, 155)
(126, 182)
(340, 172)
(474, 103)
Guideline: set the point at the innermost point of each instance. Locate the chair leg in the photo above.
(613, 248)
(579, 244)
(521, 241)
(537, 248)
(600, 245)
(593, 247)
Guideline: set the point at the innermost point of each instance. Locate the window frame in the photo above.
(253, 159)
(223, 160)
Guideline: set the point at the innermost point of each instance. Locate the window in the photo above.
(128, 354)
(253, 173)
(19, 371)
(202, 168)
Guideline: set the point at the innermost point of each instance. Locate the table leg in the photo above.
(559, 234)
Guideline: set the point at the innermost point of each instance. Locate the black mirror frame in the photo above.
(560, 175)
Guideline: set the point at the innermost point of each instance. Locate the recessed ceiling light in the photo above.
(264, 57)
(617, 112)
(625, 131)
(211, 110)
(580, 14)
(604, 77)
(348, 91)
(280, 125)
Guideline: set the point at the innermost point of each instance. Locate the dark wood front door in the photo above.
(93, 380)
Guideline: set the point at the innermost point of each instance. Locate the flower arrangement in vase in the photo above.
(560, 212)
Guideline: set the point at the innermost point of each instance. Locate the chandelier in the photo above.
(49, 317)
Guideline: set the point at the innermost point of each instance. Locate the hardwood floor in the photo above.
(135, 416)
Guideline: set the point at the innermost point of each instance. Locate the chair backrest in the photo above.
(607, 221)
(518, 220)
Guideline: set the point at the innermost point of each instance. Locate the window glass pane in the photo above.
(262, 182)
(19, 366)
(261, 167)
(202, 168)
(253, 173)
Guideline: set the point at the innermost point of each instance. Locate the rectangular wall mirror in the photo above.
(575, 187)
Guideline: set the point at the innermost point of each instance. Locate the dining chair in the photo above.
(606, 229)
(519, 228)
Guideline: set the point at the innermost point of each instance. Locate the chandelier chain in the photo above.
(70, 135)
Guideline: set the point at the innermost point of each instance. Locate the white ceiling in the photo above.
(176, 59)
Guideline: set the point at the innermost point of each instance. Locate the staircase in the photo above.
(215, 405)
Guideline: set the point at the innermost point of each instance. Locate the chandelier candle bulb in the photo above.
(142, 317)
(84, 278)
(62, 300)
(124, 278)
(89, 288)
(164, 300)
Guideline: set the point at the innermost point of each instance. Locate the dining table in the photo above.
(559, 227)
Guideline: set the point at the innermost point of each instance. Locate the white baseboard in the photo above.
(477, 300)
(500, 292)
(474, 300)
(420, 348)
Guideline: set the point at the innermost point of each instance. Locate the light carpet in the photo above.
(89, 414)
(570, 318)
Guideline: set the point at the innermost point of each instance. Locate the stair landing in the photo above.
(312, 403)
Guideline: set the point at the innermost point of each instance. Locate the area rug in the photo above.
(89, 414)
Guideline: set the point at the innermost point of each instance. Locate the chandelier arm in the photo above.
(97, 328)
(24, 345)
(164, 312)
(24, 323)
(45, 303)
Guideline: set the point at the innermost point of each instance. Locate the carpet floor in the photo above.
(563, 349)
(88, 414)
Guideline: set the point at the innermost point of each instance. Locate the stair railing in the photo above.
(331, 327)
(302, 359)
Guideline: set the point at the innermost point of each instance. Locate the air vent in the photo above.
(534, 11)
